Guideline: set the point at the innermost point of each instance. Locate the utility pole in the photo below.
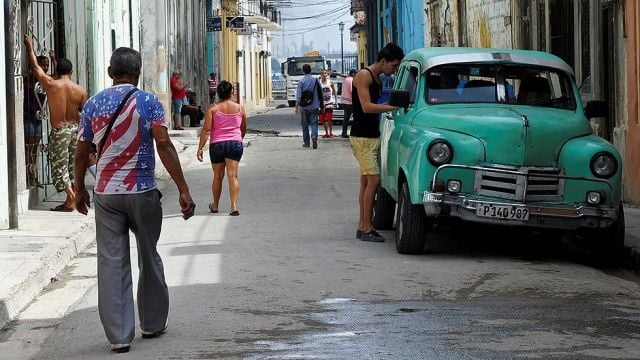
(341, 27)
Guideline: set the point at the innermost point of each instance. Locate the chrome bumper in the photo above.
(553, 217)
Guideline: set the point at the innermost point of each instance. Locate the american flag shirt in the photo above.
(127, 162)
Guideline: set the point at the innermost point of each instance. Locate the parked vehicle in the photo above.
(500, 137)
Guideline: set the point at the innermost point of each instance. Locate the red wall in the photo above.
(632, 156)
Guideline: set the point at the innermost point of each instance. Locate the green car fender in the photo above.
(418, 171)
(575, 159)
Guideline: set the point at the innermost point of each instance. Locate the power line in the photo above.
(289, 32)
(329, 12)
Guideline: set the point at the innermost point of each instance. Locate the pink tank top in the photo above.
(226, 127)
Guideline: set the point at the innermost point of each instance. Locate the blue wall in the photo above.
(410, 26)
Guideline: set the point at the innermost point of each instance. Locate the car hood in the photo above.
(511, 134)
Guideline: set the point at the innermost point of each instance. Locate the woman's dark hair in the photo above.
(225, 89)
(64, 67)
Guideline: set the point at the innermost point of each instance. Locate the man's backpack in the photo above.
(306, 98)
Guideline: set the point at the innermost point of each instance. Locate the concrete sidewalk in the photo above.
(34, 254)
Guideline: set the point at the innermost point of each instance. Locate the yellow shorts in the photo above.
(366, 151)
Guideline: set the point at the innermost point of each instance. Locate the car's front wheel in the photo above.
(384, 210)
(412, 224)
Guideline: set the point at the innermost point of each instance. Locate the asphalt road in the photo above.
(288, 280)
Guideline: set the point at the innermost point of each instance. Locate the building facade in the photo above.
(169, 35)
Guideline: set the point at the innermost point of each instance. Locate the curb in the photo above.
(33, 275)
(631, 254)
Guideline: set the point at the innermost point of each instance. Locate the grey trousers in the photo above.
(115, 215)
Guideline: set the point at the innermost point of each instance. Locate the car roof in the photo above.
(435, 56)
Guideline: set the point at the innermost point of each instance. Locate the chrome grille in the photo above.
(527, 186)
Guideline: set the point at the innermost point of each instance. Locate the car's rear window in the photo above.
(490, 83)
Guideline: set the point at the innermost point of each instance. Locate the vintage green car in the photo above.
(500, 137)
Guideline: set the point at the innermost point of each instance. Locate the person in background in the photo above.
(178, 92)
(387, 84)
(309, 112)
(65, 99)
(365, 133)
(225, 125)
(213, 85)
(191, 108)
(345, 101)
(34, 112)
(127, 198)
(329, 95)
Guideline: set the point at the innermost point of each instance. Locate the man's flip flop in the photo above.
(62, 208)
(212, 209)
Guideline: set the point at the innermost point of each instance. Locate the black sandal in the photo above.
(212, 209)
(234, 213)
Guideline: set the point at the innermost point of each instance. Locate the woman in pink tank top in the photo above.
(225, 125)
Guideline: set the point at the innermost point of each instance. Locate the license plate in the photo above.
(507, 212)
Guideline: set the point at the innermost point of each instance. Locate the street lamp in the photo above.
(341, 27)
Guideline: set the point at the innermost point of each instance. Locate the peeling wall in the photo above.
(489, 23)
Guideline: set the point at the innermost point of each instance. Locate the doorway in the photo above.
(45, 23)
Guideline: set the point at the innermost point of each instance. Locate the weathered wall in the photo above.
(187, 44)
(488, 23)
(4, 163)
(155, 56)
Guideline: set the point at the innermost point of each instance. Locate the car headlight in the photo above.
(603, 165)
(439, 153)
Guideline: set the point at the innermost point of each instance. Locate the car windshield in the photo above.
(295, 68)
(490, 83)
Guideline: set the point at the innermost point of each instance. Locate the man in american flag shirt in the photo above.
(126, 198)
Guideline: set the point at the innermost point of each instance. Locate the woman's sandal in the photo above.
(234, 213)
(212, 209)
(63, 208)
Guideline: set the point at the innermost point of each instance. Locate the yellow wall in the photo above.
(229, 44)
(362, 49)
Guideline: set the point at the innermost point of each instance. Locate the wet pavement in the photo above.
(480, 328)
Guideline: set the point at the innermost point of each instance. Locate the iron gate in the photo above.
(45, 23)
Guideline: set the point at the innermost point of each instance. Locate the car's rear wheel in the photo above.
(384, 210)
(412, 224)
(607, 245)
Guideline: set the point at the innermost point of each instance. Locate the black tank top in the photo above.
(365, 125)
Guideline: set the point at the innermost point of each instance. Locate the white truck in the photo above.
(292, 71)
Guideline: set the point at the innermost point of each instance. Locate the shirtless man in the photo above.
(66, 99)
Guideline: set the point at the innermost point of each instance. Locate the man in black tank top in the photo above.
(365, 133)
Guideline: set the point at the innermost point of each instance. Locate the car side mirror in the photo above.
(400, 98)
(596, 108)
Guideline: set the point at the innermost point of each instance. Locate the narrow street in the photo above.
(288, 279)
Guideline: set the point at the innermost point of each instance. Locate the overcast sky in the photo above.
(316, 21)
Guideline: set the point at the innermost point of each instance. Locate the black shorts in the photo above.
(231, 149)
